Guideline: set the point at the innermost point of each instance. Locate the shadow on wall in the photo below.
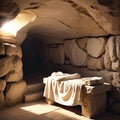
(31, 56)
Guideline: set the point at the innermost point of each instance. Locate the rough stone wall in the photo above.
(98, 56)
(12, 85)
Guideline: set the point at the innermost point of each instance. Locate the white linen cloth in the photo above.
(64, 88)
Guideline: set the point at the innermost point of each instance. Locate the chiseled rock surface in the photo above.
(2, 85)
(89, 18)
(9, 64)
(117, 40)
(107, 60)
(12, 49)
(12, 87)
(14, 76)
(116, 65)
(112, 49)
(96, 46)
(76, 55)
(5, 65)
(17, 64)
(95, 63)
(14, 92)
(82, 43)
(116, 80)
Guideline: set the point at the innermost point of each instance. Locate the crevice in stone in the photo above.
(34, 5)
(58, 21)
(107, 36)
(64, 23)
(82, 10)
(78, 8)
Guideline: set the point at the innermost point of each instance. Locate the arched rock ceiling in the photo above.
(57, 20)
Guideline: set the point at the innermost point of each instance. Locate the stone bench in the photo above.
(94, 100)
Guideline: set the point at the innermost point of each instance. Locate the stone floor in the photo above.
(40, 110)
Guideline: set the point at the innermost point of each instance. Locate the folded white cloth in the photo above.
(93, 80)
(66, 88)
(60, 76)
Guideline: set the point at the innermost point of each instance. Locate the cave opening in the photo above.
(34, 66)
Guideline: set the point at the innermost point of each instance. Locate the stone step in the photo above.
(33, 96)
(35, 87)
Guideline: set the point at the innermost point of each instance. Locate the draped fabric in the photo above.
(64, 88)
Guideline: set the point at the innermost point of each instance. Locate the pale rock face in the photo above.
(14, 92)
(107, 60)
(5, 65)
(82, 43)
(117, 40)
(116, 80)
(69, 19)
(116, 66)
(18, 65)
(112, 49)
(2, 85)
(16, 73)
(95, 63)
(75, 54)
(8, 64)
(96, 46)
(14, 76)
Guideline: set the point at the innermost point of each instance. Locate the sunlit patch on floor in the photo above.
(39, 109)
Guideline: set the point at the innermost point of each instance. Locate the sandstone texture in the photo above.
(14, 92)
(12, 49)
(2, 85)
(95, 64)
(82, 43)
(95, 46)
(89, 31)
(107, 60)
(12, 86)
(75, 54)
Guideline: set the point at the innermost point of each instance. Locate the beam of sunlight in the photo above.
(39, 109)
(22, 19)
(53, 111)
